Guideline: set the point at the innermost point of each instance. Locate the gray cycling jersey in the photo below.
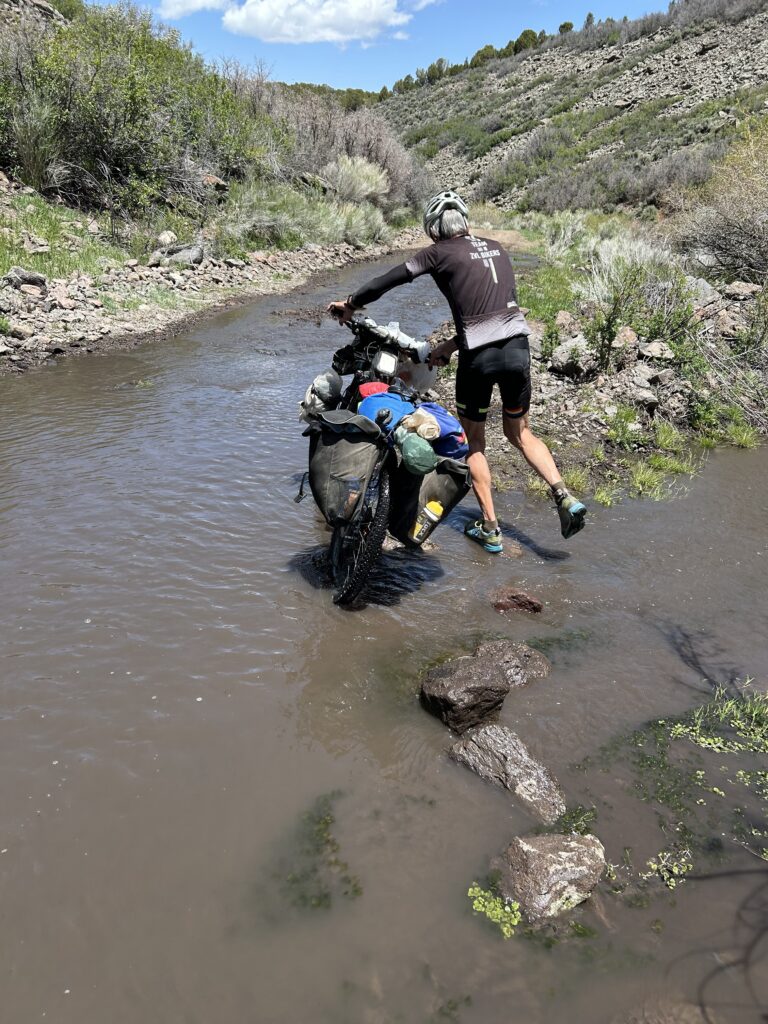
(476, 277)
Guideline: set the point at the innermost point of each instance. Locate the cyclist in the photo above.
(476, 277)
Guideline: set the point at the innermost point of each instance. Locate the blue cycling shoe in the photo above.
(571, 512)
(489, 539)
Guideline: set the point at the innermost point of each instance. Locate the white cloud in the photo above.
(180, 8)
(307, 21)
(419, 5)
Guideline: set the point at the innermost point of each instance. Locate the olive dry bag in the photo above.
(344, 450)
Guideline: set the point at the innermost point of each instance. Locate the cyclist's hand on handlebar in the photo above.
(342, 311)
(441, 354)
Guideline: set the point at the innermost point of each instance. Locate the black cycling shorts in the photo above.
(506, 363)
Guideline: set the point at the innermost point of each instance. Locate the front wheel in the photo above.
(356, 546)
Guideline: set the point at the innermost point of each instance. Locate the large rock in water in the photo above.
(467, 691)
(518, 661)
(498, 755)
(549, 874)
(464, 691)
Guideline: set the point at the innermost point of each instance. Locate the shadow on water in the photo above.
(703, 655)
(461, 516)
(395, 575)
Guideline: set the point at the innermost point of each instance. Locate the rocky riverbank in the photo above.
(633, 427)
(44, 319)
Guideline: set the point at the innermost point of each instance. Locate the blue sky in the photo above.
(368, 43)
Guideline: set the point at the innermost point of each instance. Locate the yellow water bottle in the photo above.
(426, 521)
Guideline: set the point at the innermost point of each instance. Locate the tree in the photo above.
(526, 40)
(483, 55)
(589, 21)
(565, 28)
(383, 94)
(437, 70)
(403, 85)
(542, 37)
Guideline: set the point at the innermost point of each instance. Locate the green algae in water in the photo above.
(671, 765)
(504, 914)
(314, 872)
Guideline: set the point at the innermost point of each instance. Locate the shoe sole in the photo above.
(494, 549)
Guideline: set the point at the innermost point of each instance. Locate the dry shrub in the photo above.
(725, 225)
(356, 180)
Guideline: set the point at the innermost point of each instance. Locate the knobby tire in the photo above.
(356, 546)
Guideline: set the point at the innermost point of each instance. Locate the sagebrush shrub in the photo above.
(725, 224)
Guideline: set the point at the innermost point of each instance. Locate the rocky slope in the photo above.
(12, 12)
(701, 81)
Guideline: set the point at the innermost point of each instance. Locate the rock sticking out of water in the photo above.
(548, 875)
(467, 691)
(507, 599)
(520, 662)
(498, 755)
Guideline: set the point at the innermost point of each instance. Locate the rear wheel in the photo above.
(356, 546)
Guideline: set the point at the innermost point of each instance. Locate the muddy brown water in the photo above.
(178, 692)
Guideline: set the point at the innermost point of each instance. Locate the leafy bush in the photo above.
(131, 115)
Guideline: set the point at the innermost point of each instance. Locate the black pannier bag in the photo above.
(344, 449)
(448, 483)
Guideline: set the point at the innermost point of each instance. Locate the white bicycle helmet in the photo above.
(438, 204)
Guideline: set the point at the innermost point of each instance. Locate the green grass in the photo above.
(52, 224)
(535, 486)
(606, 495)
(620, 432)
(547, 290)
(577, 479)
(646, 481)
(669, 438)
(675, 464)
(5, 325)
(742, 435)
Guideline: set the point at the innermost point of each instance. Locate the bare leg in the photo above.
(533, 449)
(479, 468)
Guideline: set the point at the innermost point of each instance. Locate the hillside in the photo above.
(564, 126)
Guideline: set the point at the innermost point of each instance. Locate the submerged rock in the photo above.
(548, 875)
(498, 755)
(507, 599)
(667, 1011)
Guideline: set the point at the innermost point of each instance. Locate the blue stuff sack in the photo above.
(452, 443)
(373, 405)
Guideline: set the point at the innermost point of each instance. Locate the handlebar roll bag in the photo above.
(344, 450)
